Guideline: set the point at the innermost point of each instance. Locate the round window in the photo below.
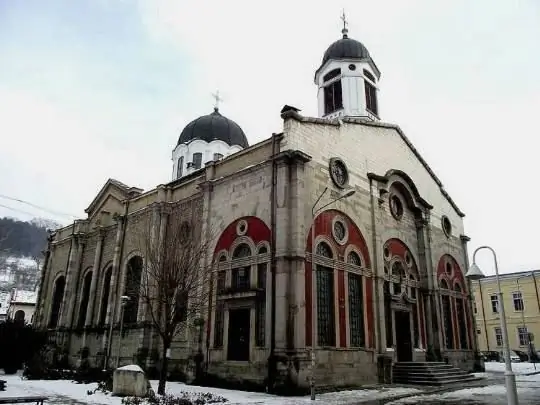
(241, 228)
(340, 233)
(339, 172)
(446, 226)
(352, 67)
(396, 207)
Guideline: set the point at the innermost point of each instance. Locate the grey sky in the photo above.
(101, 88)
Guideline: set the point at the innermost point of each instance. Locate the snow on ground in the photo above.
(518, 368)
(66, 390)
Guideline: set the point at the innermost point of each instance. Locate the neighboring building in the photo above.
(4, 305)
(521, 296)
(390, 259)
(22, 305)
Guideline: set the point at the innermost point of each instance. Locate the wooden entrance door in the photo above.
(403, 336)
(239, 332)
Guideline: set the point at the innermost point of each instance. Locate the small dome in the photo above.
(345, 48)
(212, 127)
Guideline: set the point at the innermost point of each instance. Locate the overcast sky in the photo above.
(92, 89)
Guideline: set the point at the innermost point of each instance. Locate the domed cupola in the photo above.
(207, 138)
(347, 80)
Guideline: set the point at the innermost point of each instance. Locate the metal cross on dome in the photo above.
(344, 31)
(218, 100)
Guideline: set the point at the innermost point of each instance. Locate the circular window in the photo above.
(339, 231)
(352, 67)
(241, 228)
(396, 207)
(446, 226)
(339, 172)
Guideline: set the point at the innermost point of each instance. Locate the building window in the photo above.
(523, 335)
(217, 156)
(447, 319)
(180, 167)
(220, 284)
(371, 97)
(218, 326)
(475, 308)
(356, 310)
(325, 306)
(330, 75)
(498, 337)
(478, 331)
(518, 301)
(494, 304)
(240, 278)
(333, 98)
(197, 160)
(83, 309)
(105, 296)
(462, 323)
(260, 315)
(133, 289)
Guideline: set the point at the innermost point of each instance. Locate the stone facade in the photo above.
(388, 280)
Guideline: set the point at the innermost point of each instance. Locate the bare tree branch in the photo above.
(173, 285)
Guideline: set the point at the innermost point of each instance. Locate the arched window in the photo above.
(241, 277)
(180, 167)
(133, 289)
(105, 296)
(453, 303)
(326, 324)
(58, 296)
(19, 316)
(241, 251)
(83, 309)
(354, 258)
(401, 277)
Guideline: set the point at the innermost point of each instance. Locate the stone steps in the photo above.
(429, 373)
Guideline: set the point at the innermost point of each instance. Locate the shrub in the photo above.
(185, 398)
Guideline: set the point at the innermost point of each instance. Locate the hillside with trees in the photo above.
(20, 238)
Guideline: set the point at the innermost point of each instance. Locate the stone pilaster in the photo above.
(470, 297)
(43, 286)
(95, 277)
(76, 278)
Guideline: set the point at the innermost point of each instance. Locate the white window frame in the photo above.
(494, 298)
(517, 296)
(523, 336)
(498, 336)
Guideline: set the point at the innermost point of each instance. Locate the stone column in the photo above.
(95, 276)
(70, 292)
(42, 288)
(74, 295)
(470, 296)
(115, 275)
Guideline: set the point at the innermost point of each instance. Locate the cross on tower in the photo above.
(218, 100)
(343, 18)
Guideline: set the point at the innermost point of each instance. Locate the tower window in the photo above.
(197, 160)
(217, 156)
(333, 99)
(371, 97)
(330, 75)
(369, 76)
(180, 167)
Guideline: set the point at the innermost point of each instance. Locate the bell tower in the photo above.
(347, 80)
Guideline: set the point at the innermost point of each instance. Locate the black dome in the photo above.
(212, 127)
(345, 48)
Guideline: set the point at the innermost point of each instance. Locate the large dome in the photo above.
(345, 48)
(212, 127)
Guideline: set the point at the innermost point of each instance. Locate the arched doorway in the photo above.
(19, 316)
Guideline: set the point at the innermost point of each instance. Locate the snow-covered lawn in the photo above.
(518, 368)
(78, 392)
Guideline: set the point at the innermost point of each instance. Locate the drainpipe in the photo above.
(272, 363)
(483, 314)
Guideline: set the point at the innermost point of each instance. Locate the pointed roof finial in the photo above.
(344, 31)
(218, 100)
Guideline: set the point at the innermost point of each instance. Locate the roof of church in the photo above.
(212, 127)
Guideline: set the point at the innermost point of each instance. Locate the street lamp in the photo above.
(474, 273)
(314, 211)
(123, 301)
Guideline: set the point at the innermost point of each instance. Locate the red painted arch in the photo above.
(257, 231)
(323, 227)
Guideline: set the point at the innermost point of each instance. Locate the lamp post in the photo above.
(123, 301)
(474, 273)
(314, 211)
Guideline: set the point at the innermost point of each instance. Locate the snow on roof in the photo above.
(131, 367)
(24, 297)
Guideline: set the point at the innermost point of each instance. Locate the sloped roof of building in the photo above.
(24, 297)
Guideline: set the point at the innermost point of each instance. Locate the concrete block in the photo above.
(130, 380)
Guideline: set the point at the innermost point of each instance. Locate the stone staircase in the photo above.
(429, 373)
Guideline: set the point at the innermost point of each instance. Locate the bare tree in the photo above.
(174, 282)
(3, 250)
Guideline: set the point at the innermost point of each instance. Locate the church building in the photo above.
(333, 234)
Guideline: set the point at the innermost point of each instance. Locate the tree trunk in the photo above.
(164, 366)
